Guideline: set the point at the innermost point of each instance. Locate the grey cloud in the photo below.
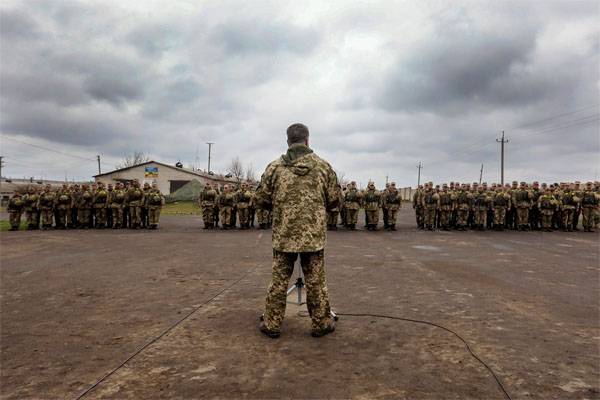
(17, 24)
(244, 37)
(462, 68)
(58, 125)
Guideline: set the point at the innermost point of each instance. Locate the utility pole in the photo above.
(1, 164)
(386, 179)
(502, 141)
(419, 176)
(481, 174)
(209, 149)
(99, 169)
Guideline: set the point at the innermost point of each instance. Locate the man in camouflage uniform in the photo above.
(15, 209)
(464, 200)
(109, 211)
(446, 207)
(46, 206)
(207, 200)
(392, 202)
(547, 203)
(30, 201)
(63, 207)
(522, 199)
(431, 202)
(75, 200)
(343, 211)
(333, 215)
(534, 213)
(135, 199)
(352, 202)
(501, 203)
(372, 202)
(578, 194)
(100, 205)
(116, 199)
(417, 202)
(299, 187)
(226, 202)
(511, 215)
(481, 204)
(568, 206)
(154, 200)
(589, 204)
(243, 198)
(84, 212)
(384, 209)
(144, 207)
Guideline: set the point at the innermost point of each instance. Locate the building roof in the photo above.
(189, 171)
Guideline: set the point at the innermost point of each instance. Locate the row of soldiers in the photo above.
(230, 204)
(124, 205)
(518, 206)
(226, 204)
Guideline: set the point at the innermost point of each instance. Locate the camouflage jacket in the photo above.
(299, 187)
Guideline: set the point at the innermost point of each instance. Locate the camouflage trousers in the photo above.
(567, 218)
(462, 217)
(135, 214)
(225, 215)
(419, 215)
(100, 216)
(445, 216)
(332, 217)
(547, 218)
(15, 219)
(31, 218)
(522, 216)
(208, 216)
(351, 216)
(392, 216)
(588, 217)
(430, 217)
(83, 216)
(117, 215)
(317, 296)
(153, 215)
(61, 216)
(499, 216)
(372, 217)
(243, 216)
(262, 216)
(480, 217)
(47, 216)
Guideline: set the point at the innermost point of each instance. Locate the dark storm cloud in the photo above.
(59, 125)
(462, 68)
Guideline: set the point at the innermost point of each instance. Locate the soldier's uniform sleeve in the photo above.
(333, 189)
(264, 193)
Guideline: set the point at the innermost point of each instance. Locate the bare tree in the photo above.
(236, 169)
(341, 175)
(137, 158)
(250, 173)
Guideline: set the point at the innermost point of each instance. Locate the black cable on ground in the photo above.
(170, 328)
(441, 327)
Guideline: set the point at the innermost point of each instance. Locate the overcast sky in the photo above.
(381, 85)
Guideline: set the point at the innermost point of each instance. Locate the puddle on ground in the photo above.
(430, 248)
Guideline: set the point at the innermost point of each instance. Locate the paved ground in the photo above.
(76, 304)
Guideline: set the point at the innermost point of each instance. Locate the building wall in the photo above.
(163, 180)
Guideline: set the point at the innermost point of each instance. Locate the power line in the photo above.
(554, 117)
(47, 148)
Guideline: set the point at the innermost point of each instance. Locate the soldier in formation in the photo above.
(518, 206)
(84, 207)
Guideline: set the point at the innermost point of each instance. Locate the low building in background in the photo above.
(169, 178)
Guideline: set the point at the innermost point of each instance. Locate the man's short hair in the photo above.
(297, 133)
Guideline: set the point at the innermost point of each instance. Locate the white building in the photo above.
(169, 178)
